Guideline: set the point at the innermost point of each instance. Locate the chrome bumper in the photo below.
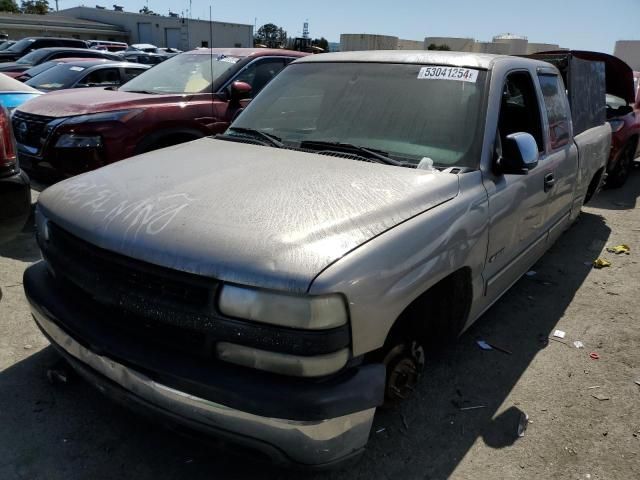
(310, 443)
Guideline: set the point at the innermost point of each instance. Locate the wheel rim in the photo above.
(404, 367)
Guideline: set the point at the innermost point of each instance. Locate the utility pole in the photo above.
(56, 5)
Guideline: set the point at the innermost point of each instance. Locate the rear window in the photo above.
(557, 110)
(21, 45)
(56, 78)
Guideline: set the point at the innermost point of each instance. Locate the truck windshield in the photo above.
(185, 73)
(407, 111)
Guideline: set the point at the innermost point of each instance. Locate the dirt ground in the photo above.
(72, 432)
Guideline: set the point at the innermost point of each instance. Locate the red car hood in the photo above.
(76, 101)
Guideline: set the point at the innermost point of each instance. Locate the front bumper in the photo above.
(311, 442)
(15, 204)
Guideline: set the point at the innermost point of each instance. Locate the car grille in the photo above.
(30, 129)
(130, 286)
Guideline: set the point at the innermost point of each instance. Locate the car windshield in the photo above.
(184, 73)
(33, 57)
(38, 69)
(407, 111)
(5, 45)
(57, 77)
(21, 45)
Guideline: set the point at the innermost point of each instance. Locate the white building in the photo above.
(629, 51)
(173, 31)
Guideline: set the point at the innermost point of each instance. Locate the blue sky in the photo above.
(578, 24)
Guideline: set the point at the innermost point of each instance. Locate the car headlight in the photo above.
(294, 311)
(70, 140)
(115, 116)
(616, 125)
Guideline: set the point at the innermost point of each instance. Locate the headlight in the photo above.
(115, 116)
(616, 125)
(294, 311)
(282, 363)
(70, 140)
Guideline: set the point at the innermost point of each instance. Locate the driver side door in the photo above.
(517, 202)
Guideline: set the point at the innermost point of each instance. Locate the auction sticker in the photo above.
(448, 73)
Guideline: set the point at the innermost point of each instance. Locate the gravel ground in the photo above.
(72, 432)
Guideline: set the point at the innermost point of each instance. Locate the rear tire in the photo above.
(618, 176)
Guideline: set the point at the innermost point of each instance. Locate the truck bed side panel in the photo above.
(593, 152)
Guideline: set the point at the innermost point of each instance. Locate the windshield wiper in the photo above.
(377, 156)
(149, 92)
(272, 139)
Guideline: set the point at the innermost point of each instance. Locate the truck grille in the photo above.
(30, 129)
(128, 285)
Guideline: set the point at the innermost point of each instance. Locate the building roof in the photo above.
(52, 20)
(79, 10)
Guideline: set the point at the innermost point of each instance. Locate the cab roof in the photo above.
(249, 52)
(427, 57)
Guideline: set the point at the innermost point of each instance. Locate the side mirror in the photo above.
(239, 91)
(519, 154)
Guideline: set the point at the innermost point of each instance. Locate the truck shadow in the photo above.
(24, 246)
(72, 432)
(624, 198)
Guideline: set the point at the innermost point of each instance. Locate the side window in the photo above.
(62, 55)
(261, 72)
(130, 73)
(104, 76)
(556, 107)
(519, 111)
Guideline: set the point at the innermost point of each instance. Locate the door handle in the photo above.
(549, 181)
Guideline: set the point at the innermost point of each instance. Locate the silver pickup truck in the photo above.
(277, 284)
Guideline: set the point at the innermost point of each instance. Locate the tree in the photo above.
(9, 6)
(39, 7)
(444, 46)
(321, 42)
(270, 35)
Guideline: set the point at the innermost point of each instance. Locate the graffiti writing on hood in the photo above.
(150, 215)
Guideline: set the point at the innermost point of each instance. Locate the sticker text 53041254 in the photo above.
(448, 73)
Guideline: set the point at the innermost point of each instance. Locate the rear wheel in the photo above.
(618, 176)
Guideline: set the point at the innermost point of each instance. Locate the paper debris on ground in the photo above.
(559, 334)
(484, 345)
(531, 273)
(618, 249)
(578, 344)
(601, 263)
(522, 424)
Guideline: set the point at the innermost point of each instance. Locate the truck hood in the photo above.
(241, 213)
(80, 101)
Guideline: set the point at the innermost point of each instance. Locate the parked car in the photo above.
(143, 57)
(15, 191)
(6, 44)
(38, 69)
(620, 99)
(78, 130)
(29, 44)
(85, 74)
(107, 45)
(46, 54)
(274, 285)
(14, 93)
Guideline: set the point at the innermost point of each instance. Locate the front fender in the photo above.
(382, 277)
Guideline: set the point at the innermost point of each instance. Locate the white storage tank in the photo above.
(517, 43)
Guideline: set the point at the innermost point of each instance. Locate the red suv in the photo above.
(188, 96)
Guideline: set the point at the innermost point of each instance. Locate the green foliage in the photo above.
(270, 35)
(9, 6)
(443, 46)
(321, 42)
(39, 7)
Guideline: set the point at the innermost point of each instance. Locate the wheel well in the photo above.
(438, 315)
(166, 139)
(593, 186)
